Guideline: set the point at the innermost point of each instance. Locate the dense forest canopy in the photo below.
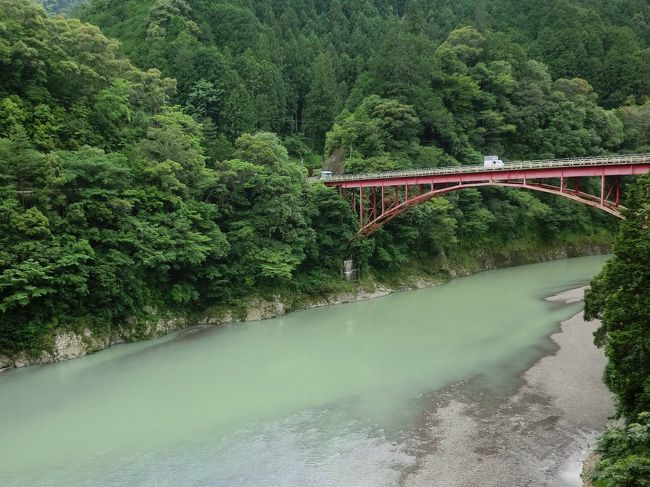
(291, 67)
(181, 184)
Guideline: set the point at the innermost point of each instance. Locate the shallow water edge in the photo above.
(69, 344)
(538, 434)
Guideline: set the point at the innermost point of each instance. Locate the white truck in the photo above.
(490, 162)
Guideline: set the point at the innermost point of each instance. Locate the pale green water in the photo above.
(320, 397)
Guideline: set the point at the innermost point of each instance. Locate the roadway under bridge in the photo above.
(379, 197)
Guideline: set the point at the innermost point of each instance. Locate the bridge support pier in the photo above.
(377, 207)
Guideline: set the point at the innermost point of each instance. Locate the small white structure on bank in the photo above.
(490, 162)
(350, 273)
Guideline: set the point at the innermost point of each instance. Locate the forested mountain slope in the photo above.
(292, 66)
(126, 192)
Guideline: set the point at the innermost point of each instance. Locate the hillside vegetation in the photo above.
(125, 190)
(470, 69)
(620, 297)
(175, 178)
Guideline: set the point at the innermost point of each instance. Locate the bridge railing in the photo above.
(510, 166)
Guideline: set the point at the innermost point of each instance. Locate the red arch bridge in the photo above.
(379, 197)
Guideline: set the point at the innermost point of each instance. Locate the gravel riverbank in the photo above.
(538, 435)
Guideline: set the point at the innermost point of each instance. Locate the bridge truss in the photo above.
(380, 197)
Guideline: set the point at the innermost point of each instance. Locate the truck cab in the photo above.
(325, 174)
(490, 162)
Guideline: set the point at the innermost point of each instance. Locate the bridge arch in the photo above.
(373, 221)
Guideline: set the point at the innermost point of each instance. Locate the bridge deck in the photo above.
(626, 165)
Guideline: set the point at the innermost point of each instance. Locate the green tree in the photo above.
(619, 297)
(321, 103)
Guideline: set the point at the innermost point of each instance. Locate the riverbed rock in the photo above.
(68, 345)
(23, 359)
(217, 319)
(259, 309)
(162, 327)
(5, 363)
(115, 339)
(423, 283)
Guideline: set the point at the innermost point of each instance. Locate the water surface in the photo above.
(330, 396)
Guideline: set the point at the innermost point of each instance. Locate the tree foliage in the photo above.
(619, 297)
(175, 179)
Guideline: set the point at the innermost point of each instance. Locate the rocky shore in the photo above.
(539, 435)
(69, 344)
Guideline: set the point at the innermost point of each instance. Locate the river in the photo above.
(417, 388)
